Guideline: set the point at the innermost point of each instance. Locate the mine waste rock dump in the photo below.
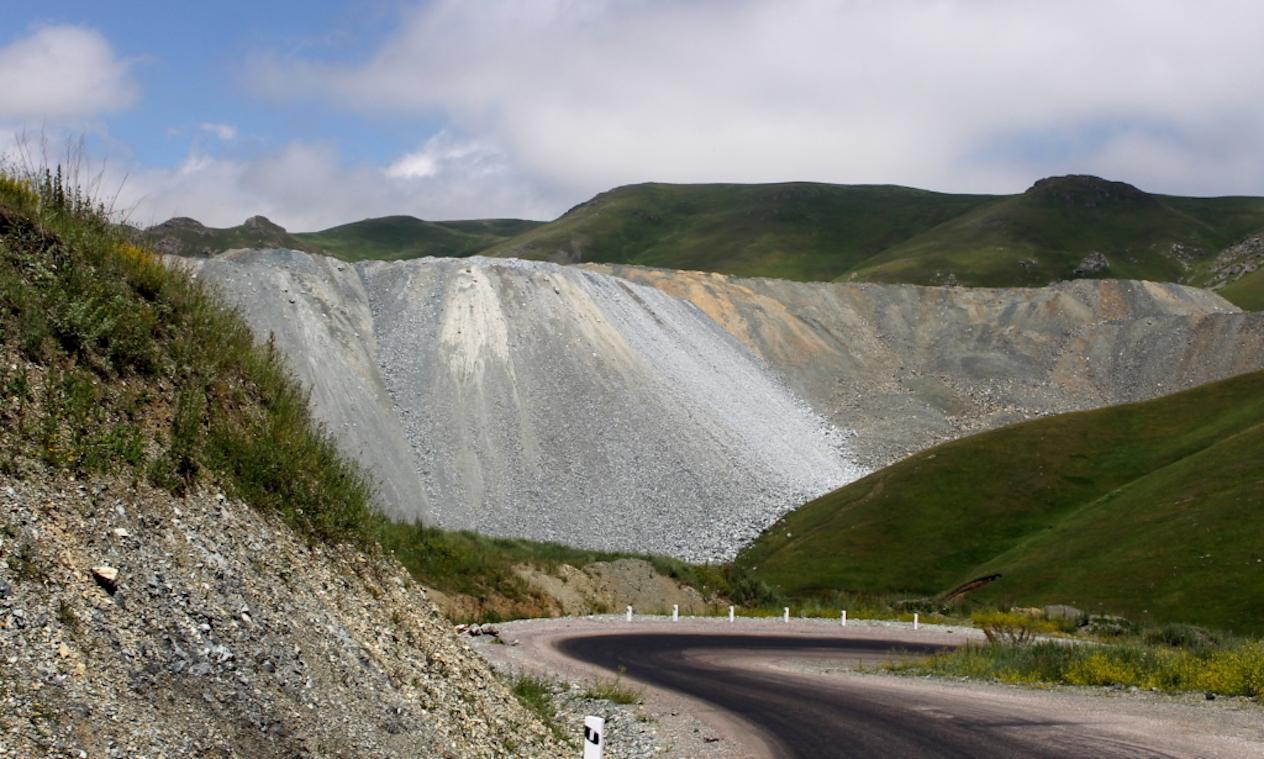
(672, 412)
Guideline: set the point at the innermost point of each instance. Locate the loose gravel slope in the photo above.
(682, 412)
(542, 401)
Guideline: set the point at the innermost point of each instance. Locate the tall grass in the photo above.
(1234, 669)
(123, 364)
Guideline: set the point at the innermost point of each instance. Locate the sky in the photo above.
(324, 112)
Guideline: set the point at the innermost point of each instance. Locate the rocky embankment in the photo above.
(135, 624)
(682, 412)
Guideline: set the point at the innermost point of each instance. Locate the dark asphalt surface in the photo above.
(814, 717)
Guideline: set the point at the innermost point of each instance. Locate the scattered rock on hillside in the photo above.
(225, 635)
(1093, 263)
(1237, 261)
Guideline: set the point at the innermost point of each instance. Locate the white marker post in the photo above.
(730, 615)
(629, 613)
(844, 618)
(675, 612)
(785, 615)
(594, 738)
(915, 620)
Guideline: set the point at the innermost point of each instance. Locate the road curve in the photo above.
(801, 715)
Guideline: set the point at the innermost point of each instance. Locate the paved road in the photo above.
(814, 716)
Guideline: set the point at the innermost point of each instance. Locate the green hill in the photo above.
(1061, 228)
(1051, 231)
(796, 230)
(183, 236)
(1154, 510)
(396, 237)
(386, 238)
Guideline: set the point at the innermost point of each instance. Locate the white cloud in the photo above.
(60, 73)
(307, 186)
(586, 95)
(225, 132)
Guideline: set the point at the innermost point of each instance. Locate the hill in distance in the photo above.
(1149, 509)
(1060, 228)
(387, 238)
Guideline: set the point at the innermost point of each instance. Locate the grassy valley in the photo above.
(1149, 509)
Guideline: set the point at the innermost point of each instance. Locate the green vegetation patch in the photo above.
(795, 230)
(1152, 510)
(1233, 670)
(393, 238)
(115, 363)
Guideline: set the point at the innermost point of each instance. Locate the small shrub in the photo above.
(1188, 637)
(1011, 629)
(613, 690)
(1106, 626)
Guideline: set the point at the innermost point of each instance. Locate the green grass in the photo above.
(807, 231)
(536, 694)
(614, 690)
(1246, 293)
(1236, 669)
(797, 230)
(188, 237)
(477, 565)
(115, 363)
(1043, 234)
(399, 237)
(1152, 510)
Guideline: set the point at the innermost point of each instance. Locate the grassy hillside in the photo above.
(1246, 293)
(811, 231)
(1154, 510)
(1044, 234)
(188, 237)
(387, 238)
(397, 237)
(110, 362)
(796, 230)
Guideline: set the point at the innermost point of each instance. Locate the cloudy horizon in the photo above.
(449, 109)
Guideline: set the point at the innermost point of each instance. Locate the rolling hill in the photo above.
(1149, 509)
(397, 237)
(1066, 227)
(1061, 228)
(387, 238)
(797, 230)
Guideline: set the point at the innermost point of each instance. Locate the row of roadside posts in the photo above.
(785, 615)
(595, 727)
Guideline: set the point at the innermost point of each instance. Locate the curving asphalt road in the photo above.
(815, 717)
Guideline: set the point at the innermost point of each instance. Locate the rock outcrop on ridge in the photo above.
(682, 412)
